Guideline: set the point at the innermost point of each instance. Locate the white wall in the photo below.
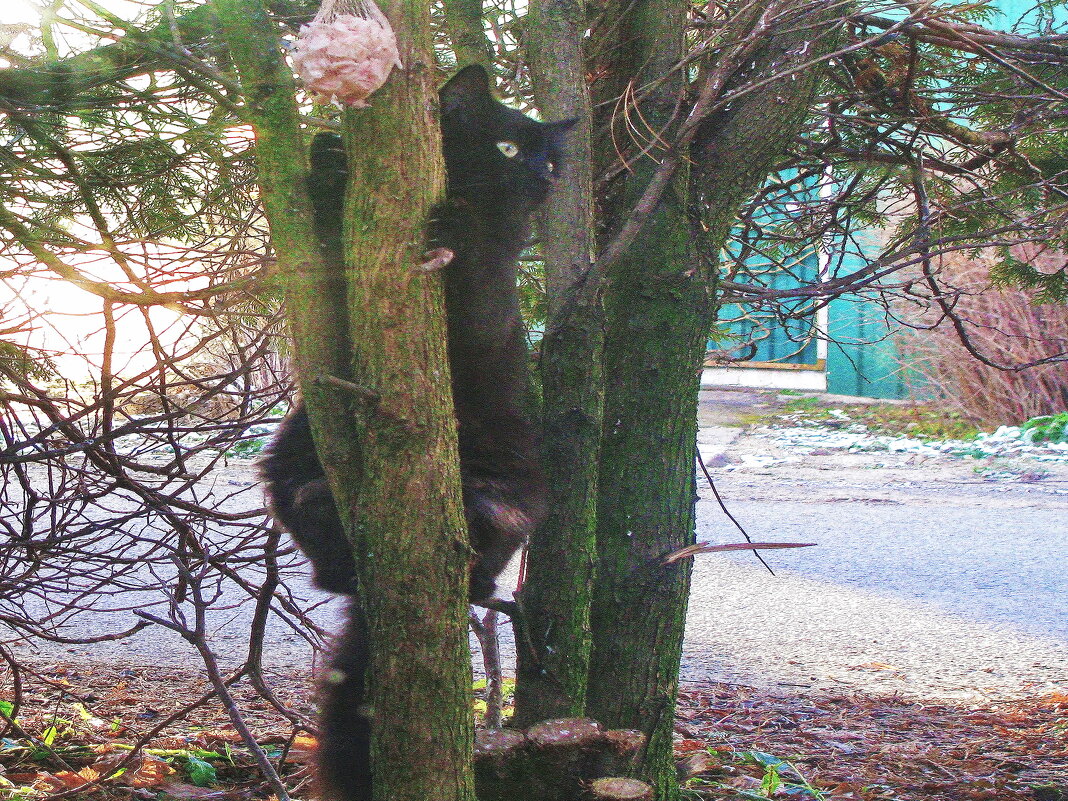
(763, 378)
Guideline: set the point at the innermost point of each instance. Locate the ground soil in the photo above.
(845, 746)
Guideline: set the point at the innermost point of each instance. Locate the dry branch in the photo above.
(704, 547)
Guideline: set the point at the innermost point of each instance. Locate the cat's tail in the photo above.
(344, 756)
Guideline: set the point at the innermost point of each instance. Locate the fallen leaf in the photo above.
(696, 764)
(303, 748)
(53, 783)
(214, 737)
(151, 772)
(686, 746)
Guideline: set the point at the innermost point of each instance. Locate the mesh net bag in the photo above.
(346, 52)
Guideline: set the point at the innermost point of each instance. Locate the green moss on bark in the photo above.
(560, 566)
(658, 308)
(391, 412)
(411, 536)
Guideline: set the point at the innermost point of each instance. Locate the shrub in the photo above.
(1006, 326)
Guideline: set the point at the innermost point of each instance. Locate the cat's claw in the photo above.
(436, 259)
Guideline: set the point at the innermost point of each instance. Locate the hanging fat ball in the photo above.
(346, 52)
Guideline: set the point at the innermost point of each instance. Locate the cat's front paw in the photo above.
(341, 581)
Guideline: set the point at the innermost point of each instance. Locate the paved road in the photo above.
(927, 580)
(943, 599)
(1008, 569)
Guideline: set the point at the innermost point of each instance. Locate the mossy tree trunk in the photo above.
(561, 556)
(657, 312)
(314, 286)
(463, 21)
(382, 411)
(659, 306)
(410, 533)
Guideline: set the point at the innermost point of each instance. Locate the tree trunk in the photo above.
(386, 404)
(463, 21)
(657, 312)
(657, 322)
(551, 681)
(659, 309)
(409, 534)
(314, 286)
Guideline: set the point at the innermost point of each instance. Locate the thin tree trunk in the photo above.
(656, 312)
(551, 680)
(658, 319)
(463, 21)
(392, 411)
(314, 289)
(410, 535)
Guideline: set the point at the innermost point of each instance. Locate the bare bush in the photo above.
(1009, 326)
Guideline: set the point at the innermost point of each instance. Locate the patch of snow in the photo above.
(1005, 442)
(754, 460)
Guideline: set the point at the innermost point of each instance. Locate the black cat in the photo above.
(500, 165)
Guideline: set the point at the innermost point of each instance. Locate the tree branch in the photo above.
(61, 84)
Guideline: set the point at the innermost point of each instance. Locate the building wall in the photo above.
(852, 350)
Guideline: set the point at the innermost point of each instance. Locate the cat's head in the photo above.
(493, 153)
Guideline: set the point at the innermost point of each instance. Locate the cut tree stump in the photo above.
(618, 789)
(557, 760)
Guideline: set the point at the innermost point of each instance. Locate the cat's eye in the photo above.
(550, 166)
(509, 149)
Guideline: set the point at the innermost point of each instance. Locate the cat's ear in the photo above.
(469, 88)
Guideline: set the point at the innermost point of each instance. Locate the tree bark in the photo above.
(551, 682)
(657, 311)
(386, 404)
(409, 534)
(463, 21)
(314, 291)
(557, 760)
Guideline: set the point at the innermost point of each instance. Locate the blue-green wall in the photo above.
(861, 357)
(786, 341)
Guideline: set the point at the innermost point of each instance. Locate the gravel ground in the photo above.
(935, 576)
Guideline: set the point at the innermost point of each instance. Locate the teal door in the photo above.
(784, 336)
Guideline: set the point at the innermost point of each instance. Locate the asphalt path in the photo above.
(944, 600)
(925, 581)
